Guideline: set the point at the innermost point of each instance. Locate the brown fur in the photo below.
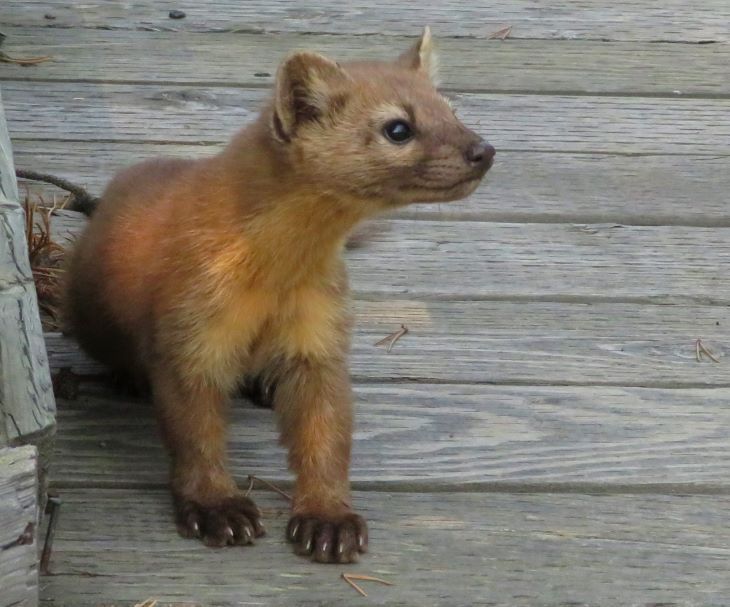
(193, 274)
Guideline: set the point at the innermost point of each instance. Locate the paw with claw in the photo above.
(234, 520)
(328, 540)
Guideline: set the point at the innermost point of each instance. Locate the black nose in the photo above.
(480, 153)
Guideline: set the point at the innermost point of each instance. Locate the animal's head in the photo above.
(377, 130)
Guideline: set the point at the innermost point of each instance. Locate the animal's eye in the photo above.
(398, 131)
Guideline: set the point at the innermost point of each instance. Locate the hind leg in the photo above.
(111, 346)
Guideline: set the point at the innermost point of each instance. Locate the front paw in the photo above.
(232, 521)
(326, 540)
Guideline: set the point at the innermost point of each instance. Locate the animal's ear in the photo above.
(422, 56)
(304, 84)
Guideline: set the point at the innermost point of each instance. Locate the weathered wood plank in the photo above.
(553, 262)
(487, 342)
(675, 20)
(26, 399)
(251, 60)
(120, 548)
(115, 112)
(18, 527)
(522, 187)
(484, 436)
(512, 261)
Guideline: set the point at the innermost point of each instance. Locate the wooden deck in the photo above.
(544, 434)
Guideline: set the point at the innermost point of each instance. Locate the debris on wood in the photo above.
(389, 341)
(701, 350)
(350, 577)
(269, 484)
(5, 58)
(176, 14)
(147, 603)
(502, 34)
(46, 259)
(252, 479)
(80, 200)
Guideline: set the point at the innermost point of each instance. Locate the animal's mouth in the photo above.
(425, 190)
(458, 185)
(471, 180)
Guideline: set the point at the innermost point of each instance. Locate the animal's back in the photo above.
(114, 263)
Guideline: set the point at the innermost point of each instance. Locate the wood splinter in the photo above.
(392, 338)
(501, 34)
(700, 349)
(5, 58)
(252, 479)
(350, 577)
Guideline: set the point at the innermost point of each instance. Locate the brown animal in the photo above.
(195, 273)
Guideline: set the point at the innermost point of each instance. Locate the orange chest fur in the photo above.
(248, 327)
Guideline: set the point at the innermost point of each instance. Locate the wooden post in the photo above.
(27, 406)
(19, 528)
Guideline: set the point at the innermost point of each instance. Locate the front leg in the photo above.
(208, 504)
(314, 403)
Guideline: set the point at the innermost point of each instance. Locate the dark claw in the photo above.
(328, 541)
(244, 533)
(305, 543)
(292, 529)
(346, 542)
(235, 520)
(325, 539)
(258, 527)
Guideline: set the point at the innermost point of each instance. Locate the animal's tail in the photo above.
(82, 201)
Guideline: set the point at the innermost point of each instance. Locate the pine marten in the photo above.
(195, 273)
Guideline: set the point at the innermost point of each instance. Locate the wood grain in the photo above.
(19, 528)
(493, 342)
(160, 113)
(532, 187)
(588, 438)
(466, 64)
(26, 399)
(675, 20)
(543, 434)
(120, 548)
(549, 262)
